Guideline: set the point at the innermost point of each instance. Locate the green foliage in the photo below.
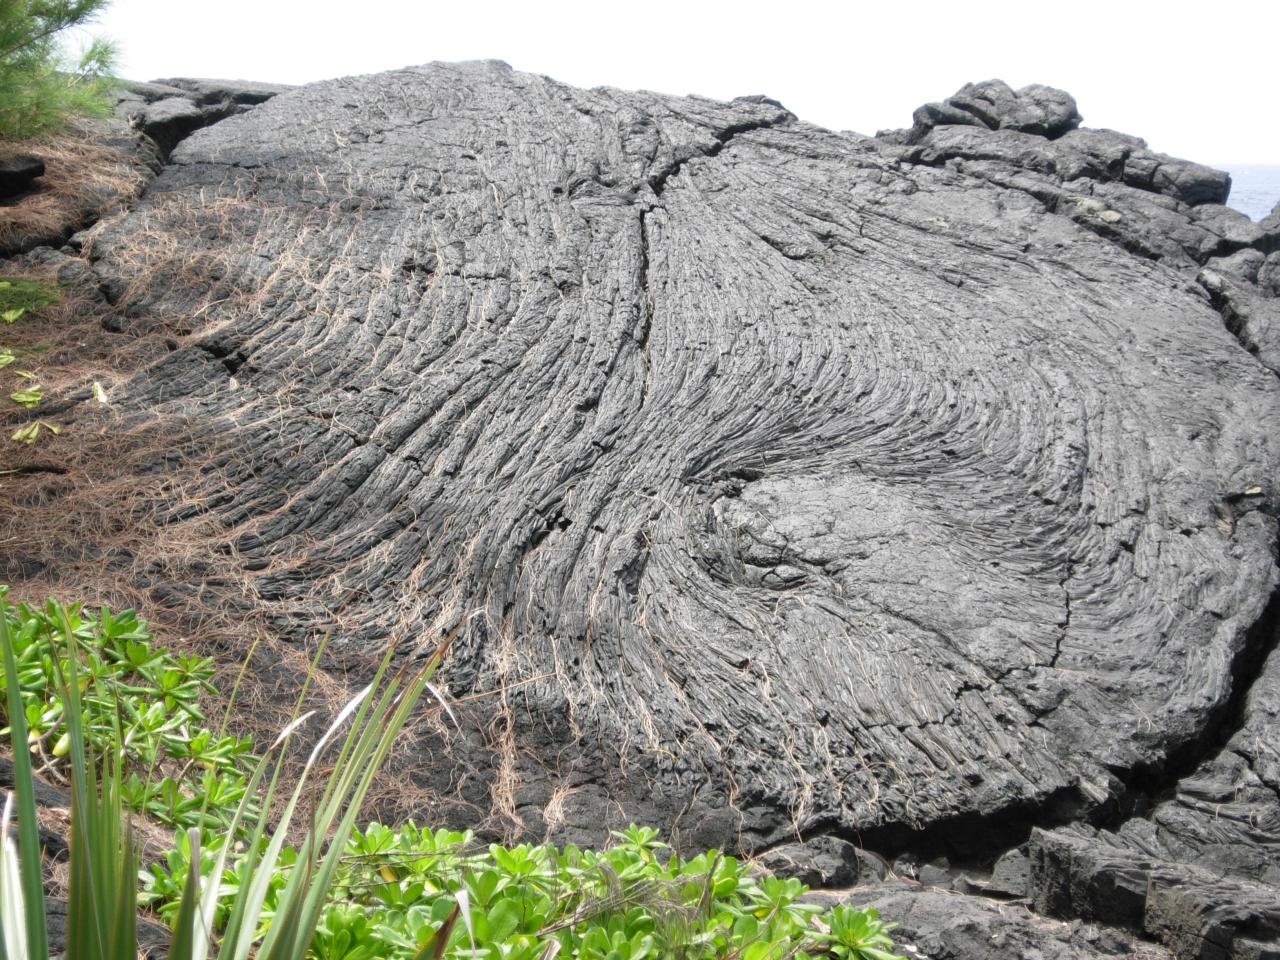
(858, 935)
(28, 397)
(102, 900)
(29, 433)
(412, 892)
(23, 932)
(19, 297)
(96, 687)
(136, 694)
(101, 911)
(39, 87)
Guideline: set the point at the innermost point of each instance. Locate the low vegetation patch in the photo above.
(20, 296)
(96, 690)
(180, 773)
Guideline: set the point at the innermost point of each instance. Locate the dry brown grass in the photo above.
(86, 177)
(93, 522)
(177, 258)
(118, 509)
(66, 346)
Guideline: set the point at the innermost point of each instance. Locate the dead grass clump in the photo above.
(86, 177)
(180, 258)
(119, 513)
(93, 522)
(66, 343)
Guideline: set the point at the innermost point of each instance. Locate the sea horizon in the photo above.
(1255, 187)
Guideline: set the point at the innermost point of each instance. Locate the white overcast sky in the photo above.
(1197, 80)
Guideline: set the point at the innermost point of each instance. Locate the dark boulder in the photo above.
(17, 174)
(1271, 225)
(994, 105)
(1198, 914)
(947, 926)
(1037, 129)
(820, 861)
(1011, 875)
(1269, 275)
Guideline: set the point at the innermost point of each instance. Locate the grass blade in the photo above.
(85, 934)
(102, 900)
(13, 923)
(189, 924)
(376, 724)
(436, 946)
(29, 865)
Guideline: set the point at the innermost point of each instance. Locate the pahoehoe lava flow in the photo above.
(783, 480)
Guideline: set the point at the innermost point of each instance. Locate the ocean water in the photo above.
(1255, 188)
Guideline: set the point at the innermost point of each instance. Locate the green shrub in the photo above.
(412, 892)
(102, 898)
(407, 893)
(178, 771)
(39, 88)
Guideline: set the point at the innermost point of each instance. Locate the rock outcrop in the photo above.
(772, 483)
(168, 111)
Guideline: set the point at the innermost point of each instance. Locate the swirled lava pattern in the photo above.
(774, 479)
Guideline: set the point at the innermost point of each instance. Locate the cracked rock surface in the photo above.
(168, 111)
(914, 490)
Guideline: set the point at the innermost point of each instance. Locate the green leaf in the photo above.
(503, 919)
(29, 867)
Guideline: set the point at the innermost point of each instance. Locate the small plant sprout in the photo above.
(29, 433)
(29, 398)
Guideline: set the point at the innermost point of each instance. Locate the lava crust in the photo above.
(768, 479)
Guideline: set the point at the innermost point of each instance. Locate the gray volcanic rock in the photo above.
(1148, 203)
(822, 861)
(1202, 872)
(912, 492)
(1011, 875)
(167, 111)
(994, 105)
(224, 93)
(780, 479)
(948, 926)
(1199, 914)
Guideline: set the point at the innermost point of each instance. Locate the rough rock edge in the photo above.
(1104, 181)
(943, 925)
(169, 111)
(1218, 907)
